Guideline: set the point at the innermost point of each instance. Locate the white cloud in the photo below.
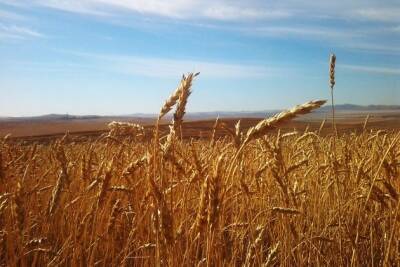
(12, 28)
(182, 9)
(164, 67)
(7, 15)
(385, 14)
(374, 10)
(13, 32)
(83, 7)
(226, 12)
(375, 48)
(307, 32)
(175, 8)
(369, 69)
(325, 21)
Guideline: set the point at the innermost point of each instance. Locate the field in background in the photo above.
(45, 129)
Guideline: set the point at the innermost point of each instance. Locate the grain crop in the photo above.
(255, 197)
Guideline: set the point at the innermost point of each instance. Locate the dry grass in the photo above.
(255, 198)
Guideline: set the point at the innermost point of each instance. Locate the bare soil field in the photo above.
(81, 129)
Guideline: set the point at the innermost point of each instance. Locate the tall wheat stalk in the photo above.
(332, 63)
(182, 101)
(332, 82)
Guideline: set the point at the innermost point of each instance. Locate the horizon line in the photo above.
(381, 106)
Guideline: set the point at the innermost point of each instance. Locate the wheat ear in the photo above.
(185, 92)
(270, 123)
(332, 63)
(172, 100)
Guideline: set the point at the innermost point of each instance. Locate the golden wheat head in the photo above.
(332, 63)
(270, 123)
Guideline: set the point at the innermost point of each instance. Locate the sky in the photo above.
(114, 57)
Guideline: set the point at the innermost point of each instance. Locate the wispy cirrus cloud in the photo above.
(270, 18)
(255, 17)
(7, 15)
(153, 67)
(262, 18)
(307, 32)
(83, 7)
(387, 49)
(166, 67)
(228, 13)
(370, 69)
(13, 26)
(384, 14)
(179, 9)
(373, 10)
(13, 32)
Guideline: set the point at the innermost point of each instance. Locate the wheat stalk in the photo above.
(105, 184)
(201, 218)
(185, 92)
(113, 215)
(270, 123)
(63, 177)
(332, 63)
(125, 128)
(214, 132)
(2, 172)
(171, 100)
(287, 211)
(214, 201)
(18, 208)
(254, 246)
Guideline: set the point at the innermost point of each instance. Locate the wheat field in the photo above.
(255, 197)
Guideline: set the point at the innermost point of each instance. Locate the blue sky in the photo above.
(126, 56)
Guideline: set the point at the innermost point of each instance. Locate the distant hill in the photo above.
(50, 117)
(66, 117)
(350, 107)
(264, 113)
(202, 115)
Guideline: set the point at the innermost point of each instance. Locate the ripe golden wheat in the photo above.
(259, 198)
